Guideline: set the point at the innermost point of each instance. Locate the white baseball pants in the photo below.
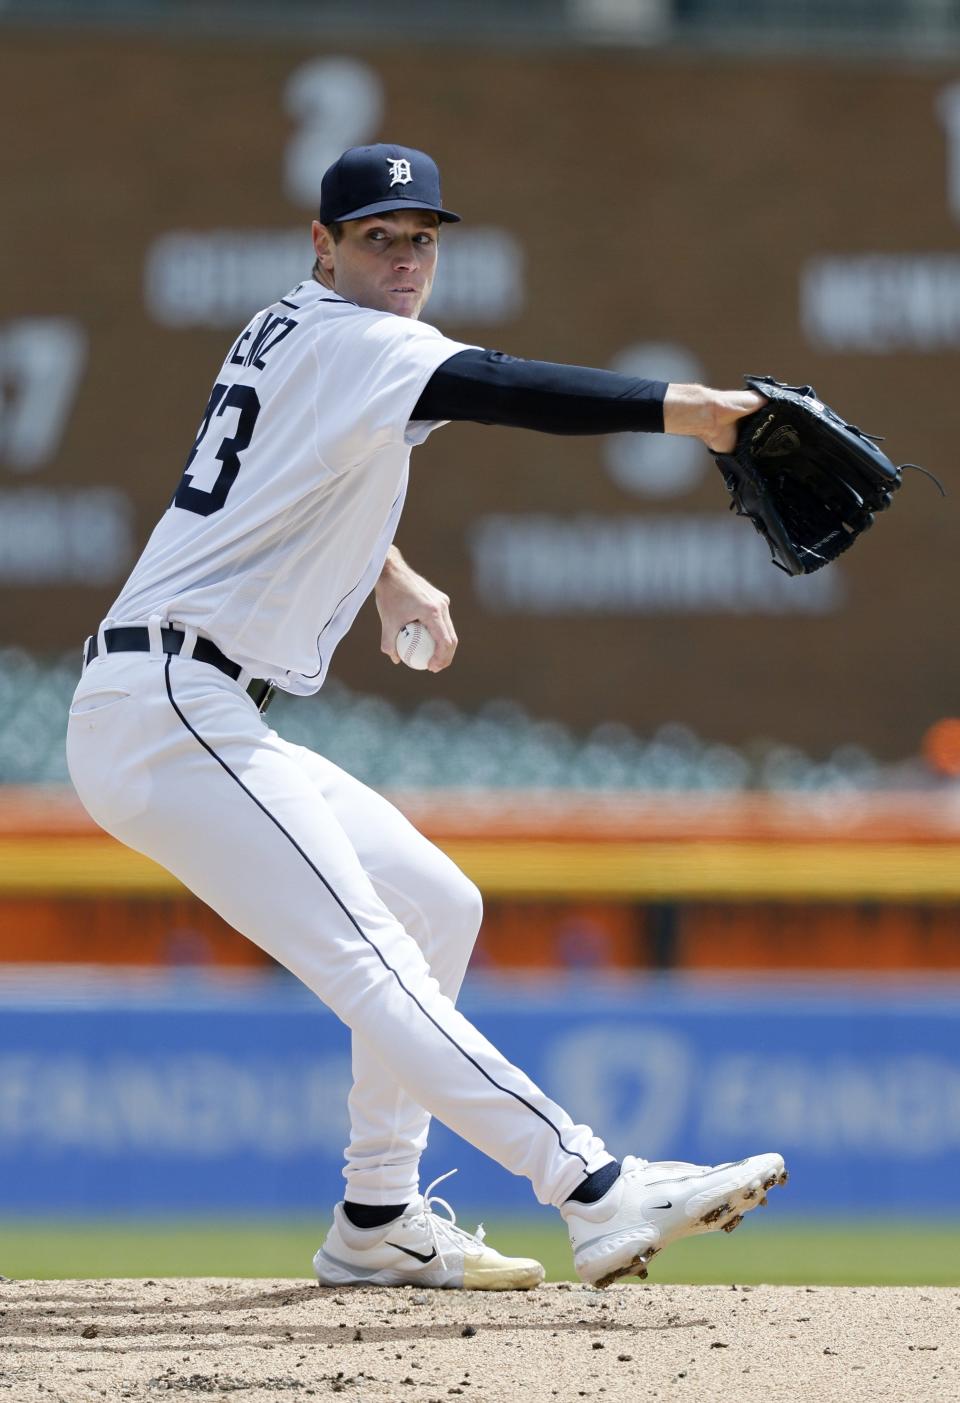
(172, 757)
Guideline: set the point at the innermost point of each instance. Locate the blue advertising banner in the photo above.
(191, 1097)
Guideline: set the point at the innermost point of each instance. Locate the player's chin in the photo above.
(405, 304)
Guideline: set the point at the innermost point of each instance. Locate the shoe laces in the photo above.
(446, 1229)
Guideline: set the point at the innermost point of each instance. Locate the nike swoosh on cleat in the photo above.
(410, 1252)
(668, 1204)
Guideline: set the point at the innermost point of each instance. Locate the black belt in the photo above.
(136, 639)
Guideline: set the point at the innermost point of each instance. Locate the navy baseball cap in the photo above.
(374, 179)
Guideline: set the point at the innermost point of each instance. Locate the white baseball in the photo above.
(415, 645)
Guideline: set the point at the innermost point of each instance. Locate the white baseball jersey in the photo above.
(293, 490)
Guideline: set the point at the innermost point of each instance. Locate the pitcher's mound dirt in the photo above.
(272, 1340)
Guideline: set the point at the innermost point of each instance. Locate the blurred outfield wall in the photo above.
(185, 1096)
(621, 208)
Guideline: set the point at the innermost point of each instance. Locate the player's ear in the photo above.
(323, 243)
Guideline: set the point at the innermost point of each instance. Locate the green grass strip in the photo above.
(799, 1252)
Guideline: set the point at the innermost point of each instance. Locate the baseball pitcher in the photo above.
(280, 526)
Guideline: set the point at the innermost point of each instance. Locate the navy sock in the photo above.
(365, 1215)
(595, 1185)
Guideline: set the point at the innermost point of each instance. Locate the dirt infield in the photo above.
(261, 1340)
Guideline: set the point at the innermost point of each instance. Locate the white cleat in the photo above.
(419, 1249)
(652, 1205)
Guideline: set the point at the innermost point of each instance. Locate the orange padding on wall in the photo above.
(733, 882)
(178, 930)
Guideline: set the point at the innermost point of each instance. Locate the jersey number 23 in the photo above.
(197, 499)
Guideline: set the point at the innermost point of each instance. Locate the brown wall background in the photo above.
(656, 198)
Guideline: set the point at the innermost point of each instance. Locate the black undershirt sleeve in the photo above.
(489, 387)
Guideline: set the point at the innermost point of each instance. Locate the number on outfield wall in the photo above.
(337, 102)
(41, 362)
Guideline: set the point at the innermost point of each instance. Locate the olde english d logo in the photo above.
(400, 173)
